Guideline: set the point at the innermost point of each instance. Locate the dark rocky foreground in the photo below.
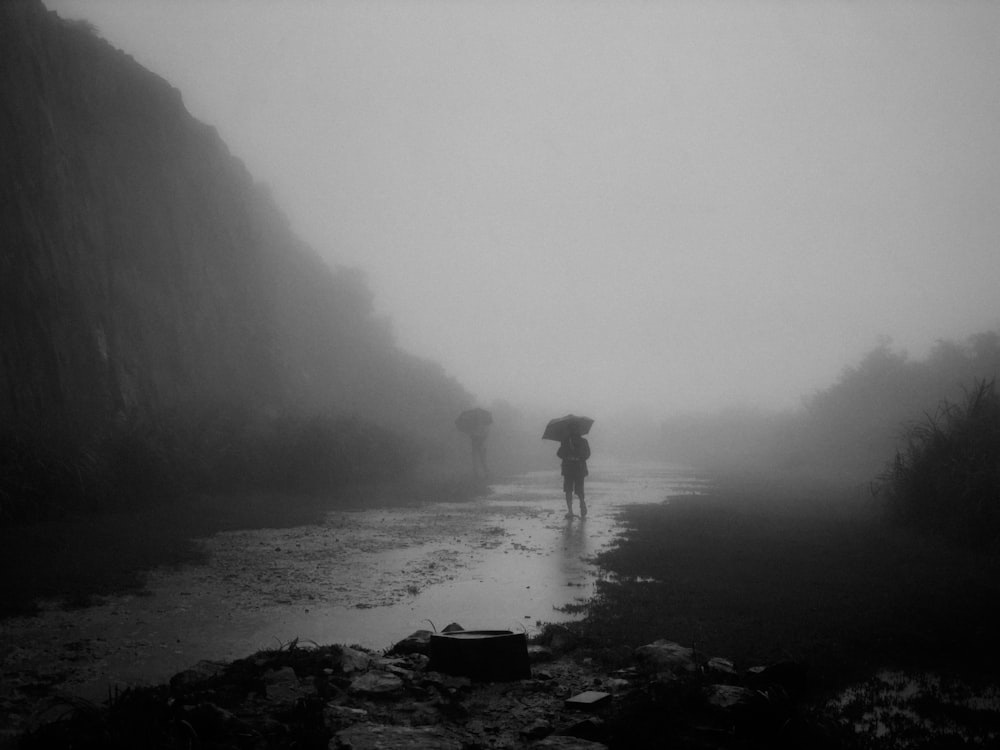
(345, 698)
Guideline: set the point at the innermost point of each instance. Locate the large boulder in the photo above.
(667, 659)
(377, 684)
(729, 697)
(283, 686)
(418, 642)
(719, 667)
(351, 659)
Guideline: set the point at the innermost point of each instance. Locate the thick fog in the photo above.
(597, 206)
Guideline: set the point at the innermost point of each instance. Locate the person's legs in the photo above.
(568, 491)
(479, 461)
(579, 494)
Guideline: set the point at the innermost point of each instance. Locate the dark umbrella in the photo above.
(561, 428)
(471, 419)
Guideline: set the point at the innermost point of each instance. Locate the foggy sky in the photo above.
(591, 205)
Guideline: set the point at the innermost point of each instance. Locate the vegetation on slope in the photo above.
(222, 451)
(946, 478)
(163, 328)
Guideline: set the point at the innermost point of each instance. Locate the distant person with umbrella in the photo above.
(574, 450)
(476, 424)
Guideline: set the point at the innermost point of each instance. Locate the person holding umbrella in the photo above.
(476, 424)
(574, 450)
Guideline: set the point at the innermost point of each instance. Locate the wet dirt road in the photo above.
(505, 561)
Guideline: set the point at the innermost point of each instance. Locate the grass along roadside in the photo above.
(766, 574)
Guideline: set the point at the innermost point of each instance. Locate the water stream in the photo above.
(508, 560)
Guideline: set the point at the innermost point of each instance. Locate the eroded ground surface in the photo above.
(508, 560)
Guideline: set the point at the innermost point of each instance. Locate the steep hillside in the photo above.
(145, 277)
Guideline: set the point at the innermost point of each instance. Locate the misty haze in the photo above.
(499, 375)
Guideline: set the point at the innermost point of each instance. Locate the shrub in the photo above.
(947, 476)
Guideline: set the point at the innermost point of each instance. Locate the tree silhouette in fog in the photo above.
(847, 431)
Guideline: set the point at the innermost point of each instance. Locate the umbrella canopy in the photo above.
(471, 420)
(561, 428)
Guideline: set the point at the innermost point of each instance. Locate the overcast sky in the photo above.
(588, 205)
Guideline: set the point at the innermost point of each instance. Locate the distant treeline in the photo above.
(849, 431)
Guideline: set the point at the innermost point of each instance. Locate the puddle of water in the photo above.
(506, 561)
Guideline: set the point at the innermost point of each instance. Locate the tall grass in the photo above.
(946, 478)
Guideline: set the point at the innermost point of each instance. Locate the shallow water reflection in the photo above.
(510, 560)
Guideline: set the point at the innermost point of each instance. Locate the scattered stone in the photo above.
(352, 660)
(538, 654)
(356, 700)
(406, 674)
(418, 662)
(283, 685)
(617, 685)
(728, 696)
(335, 715)
(383, 737)
(200, 672)
(564, 742)
(418, 642)
(667, 659)
(537, 729)
(382, 684)
(421, 714)
(720, 667)
(592, 729)
(588, 700)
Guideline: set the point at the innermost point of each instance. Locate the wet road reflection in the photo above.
(510, 560)
(576, 550)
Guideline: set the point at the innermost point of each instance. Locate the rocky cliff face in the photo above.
(142, 270)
